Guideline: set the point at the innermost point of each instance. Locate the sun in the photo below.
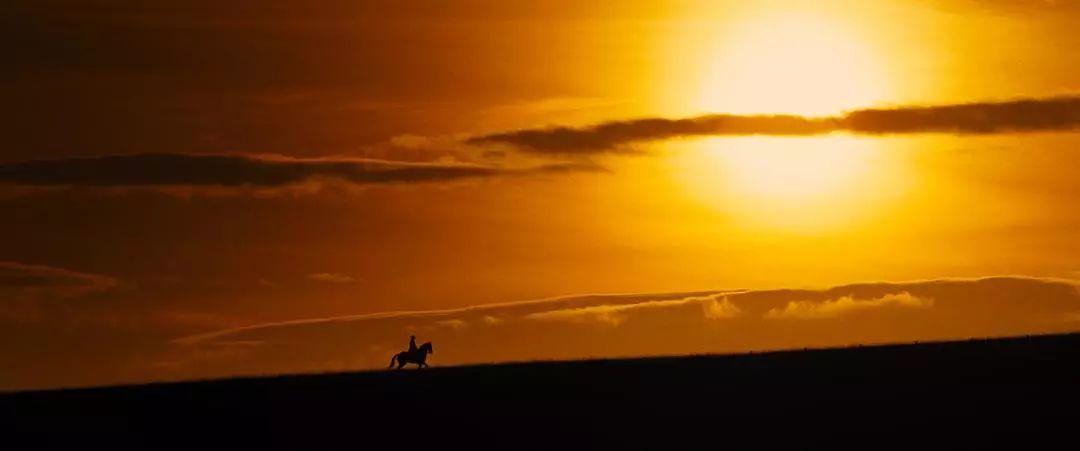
(786, 61)
(793, 62)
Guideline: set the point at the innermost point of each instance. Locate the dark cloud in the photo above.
(244, 170)
(611, 135)
(1062, 113)
(1065, 9)
(643, 324)
(1050, 114)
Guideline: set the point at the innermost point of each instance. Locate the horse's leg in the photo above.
(401, 363)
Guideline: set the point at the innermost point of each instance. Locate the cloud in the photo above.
(1064, 9)
(612, 135)
(833, 308)
(331, 277)
(39, 279)
(1026, 115)
(614, 315)
(216, 170)
(453, 323)
(719, 309)
(1060, 113)
(603, 314)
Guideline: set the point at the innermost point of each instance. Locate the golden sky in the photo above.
(198, 188)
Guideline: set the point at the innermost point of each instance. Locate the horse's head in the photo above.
(426, 348)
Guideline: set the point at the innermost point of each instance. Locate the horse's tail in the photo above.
(393, 360)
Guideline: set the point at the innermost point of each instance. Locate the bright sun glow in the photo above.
(791, 169)
(790, 62)
(789, 183)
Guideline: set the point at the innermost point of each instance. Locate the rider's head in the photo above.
(412, 337)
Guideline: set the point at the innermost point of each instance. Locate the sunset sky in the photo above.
(202, 188)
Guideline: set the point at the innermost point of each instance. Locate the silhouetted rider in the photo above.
(412, 344)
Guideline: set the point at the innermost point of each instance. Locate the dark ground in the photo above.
(1017, 393)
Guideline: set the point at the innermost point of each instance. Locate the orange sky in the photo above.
(196, 189)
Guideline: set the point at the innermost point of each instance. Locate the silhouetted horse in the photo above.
(419, 357)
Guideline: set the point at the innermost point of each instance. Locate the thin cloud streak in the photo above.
(726, 304)
(59, 281)
(214, 170)
(491, 314)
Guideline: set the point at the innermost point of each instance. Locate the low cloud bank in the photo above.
(647, 324)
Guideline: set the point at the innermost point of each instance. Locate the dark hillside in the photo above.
(1017, 393)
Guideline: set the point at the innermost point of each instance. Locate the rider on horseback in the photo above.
(417, 355)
